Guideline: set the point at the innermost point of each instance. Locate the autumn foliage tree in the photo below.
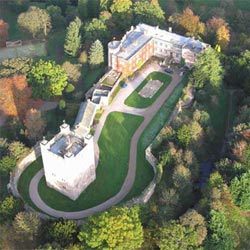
(34, 124)
(189, 22)
(35, 21)
(218, 32)
(15, 96)
(3, 32)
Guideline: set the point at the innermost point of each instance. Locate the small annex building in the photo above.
(142, 42)
(69, 162)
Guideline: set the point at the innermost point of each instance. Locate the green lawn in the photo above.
(25, 178)
(144, 171)
(114, 144)
(136, 101)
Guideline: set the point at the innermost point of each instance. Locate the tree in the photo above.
(72, 70)
(3, 146)
(170, 204)
(121, 12)
(14, 66)
(94, 8)
(7, 164)
(3, 32)
(148, 12)
(240, 70)
(47, 79)
(73, 38)
(18, 5)
(218, 32)
(71, 13)
(196, 222)
(105, 4)
(118, 228)
(63, 232)
(220, 236)
(60, 3)
(83, 58)
(223, 37)
(189, 22)
(15, 96)
(57, 19)
(240, 190)
(96, 56)
(9, 207)
(34, 125)
(184, 135)
(83, 9)
(174, 236)
(35, 20)
(183, 183)
(17, 149)
(27, 225)
(96, 29)
(208, 69)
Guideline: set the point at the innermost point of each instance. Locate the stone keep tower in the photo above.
(69, 162)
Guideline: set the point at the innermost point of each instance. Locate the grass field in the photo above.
(25, 178)
(144, 171)
(136, 101)
(114, 144)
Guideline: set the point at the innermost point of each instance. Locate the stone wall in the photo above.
(21, 166)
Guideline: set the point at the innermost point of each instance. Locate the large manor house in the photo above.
(69, 158)
(144, 41)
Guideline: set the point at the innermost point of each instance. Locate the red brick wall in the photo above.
(127, 67)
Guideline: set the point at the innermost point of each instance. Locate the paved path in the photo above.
(117, 105)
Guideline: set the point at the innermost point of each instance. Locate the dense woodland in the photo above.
(202, 200)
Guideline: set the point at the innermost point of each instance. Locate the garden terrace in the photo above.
(137, 101)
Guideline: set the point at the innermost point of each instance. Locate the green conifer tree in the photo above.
(73, 38)
(96, 56)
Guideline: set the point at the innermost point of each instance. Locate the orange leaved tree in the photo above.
(34, 124)
(15, 96)
(3, 32)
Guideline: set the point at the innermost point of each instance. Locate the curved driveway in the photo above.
(116, 106)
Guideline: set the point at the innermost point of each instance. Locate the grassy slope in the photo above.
(111, 171)
(144, 171)
(136, 101)
(25, 178)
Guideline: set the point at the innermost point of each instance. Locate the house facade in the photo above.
(142, 42)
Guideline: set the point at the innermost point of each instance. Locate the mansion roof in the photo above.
(138, 36)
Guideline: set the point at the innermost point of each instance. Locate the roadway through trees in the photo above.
(116, 106)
